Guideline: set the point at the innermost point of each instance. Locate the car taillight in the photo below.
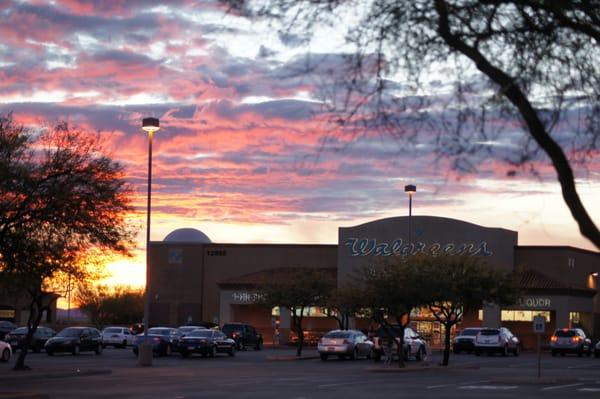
(233, 335)
(576, 339)
(156, 339)
(553, 338)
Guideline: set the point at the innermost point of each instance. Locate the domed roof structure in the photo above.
(187, 235)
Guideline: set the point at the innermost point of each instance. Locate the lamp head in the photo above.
(410, 189)
(150, 124)
(594, 274)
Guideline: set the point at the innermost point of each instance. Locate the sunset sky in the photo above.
(245, 153)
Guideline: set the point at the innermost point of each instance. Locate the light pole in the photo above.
(150, 125)
(410, 189)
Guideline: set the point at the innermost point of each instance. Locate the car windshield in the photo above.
(70, 332)
(567, 333)
(470, 331)
(112, 330)
(200, 334)
(159, 331)
(490, 332)
(338, 334)
(20, 330)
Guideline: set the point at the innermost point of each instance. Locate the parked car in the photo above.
(5, 351)
(597, 349)
(207, 343)
(414, 345)
(6, 327)
(162, 339)
(465, 341)
(501, 340)
(244, 335)
(570, 340)
(119, 337)
(75, 340)
(342, 343)
(42, 334)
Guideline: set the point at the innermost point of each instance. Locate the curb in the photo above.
(534, 381)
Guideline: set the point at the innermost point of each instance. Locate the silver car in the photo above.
(342, 343)
(570, 340)
(500, 340)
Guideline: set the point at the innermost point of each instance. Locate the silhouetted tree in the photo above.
(304, 289)
(530, 63)
(61, 202)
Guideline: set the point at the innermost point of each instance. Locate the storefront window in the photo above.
(523, 315)
(574, 317)
(313, 311)
(275, 311)
(519, 315)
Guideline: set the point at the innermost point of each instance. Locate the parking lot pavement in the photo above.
(250, 374)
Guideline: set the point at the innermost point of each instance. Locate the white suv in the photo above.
(500, 340)
(119, 337)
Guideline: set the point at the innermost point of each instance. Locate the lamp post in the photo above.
(150, 125)
(410, 189)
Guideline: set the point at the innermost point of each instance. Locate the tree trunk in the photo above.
(300, 332)
(447, 328)
(35, 317)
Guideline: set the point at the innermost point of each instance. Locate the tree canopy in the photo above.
(510, 80)
(63, 205)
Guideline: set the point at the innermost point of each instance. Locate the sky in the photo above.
(246, 152)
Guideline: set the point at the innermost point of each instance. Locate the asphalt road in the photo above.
(253, 374)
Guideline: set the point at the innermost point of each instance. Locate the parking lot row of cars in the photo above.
(502, 340)
(353, 344)
(186, 340)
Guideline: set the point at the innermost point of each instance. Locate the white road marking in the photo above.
(456, 384)
(581, 366)
(589, 389)
(340, 384)
(490, 387)
(522, 365)
(563, 386)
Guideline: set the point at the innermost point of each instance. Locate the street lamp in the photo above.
(150, 125)
(410, 189)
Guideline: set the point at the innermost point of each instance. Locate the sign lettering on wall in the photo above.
(534, 302)
(371, 247)
(246, 297)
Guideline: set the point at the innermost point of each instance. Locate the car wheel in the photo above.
(99, 349)
(213, 351)
(596, 354)
(456, 351)
(580, 352)
(241, 346)
(589, 352)
(232, 350)
(354, 354)
(505, 350)
(49, 352)
(168, 350)
(37, 348)
(553, 353)
(124, 344)
(259, 345)
(420, 354)
(185, 354)
(376, 356)
(516, 351)
(323, 356)
(76, 350)
(477, 352)
(562, 354)
(370, 353)
(5, 355)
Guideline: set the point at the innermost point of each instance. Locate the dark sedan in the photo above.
(206, 343)
(161, 338)
(75, 340)
(41, 335)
